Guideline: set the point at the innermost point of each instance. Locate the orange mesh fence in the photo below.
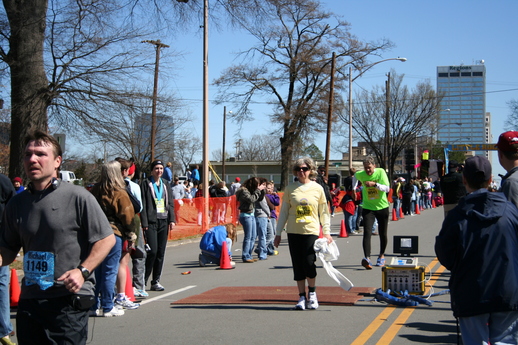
(189, 215)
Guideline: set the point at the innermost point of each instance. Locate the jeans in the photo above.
(350, 221)
(6, 327)
(250, 233)
(492, 328)
(106, 276)
(397, 207)
(272, 226)
(262, 229)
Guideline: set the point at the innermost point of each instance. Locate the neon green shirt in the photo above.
(373, 198)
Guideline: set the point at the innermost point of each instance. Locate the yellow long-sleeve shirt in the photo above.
(304, 207)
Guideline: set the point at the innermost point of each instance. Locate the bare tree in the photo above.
(260, 148)
(412, 113)
(291, 65)
(512, 118)
(73, 54)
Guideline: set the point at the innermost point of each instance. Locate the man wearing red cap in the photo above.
(508, 157)
(234, 186)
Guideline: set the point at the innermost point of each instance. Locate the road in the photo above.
(367, 322)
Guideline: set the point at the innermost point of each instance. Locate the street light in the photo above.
(351, 79)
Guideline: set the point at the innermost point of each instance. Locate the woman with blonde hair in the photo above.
(111, 194)
(304, 208)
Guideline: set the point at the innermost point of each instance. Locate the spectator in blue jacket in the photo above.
(478, 243)
(211, 243)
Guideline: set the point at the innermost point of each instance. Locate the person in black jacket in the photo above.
(452, 187)
(478, 243)
(157, 218)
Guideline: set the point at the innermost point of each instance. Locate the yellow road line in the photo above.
(374, 325)
(393, 330)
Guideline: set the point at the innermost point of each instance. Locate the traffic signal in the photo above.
(409, 159)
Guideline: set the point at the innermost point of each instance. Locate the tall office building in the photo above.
(463, 118)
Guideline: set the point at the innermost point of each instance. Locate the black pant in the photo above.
(303, 256)
(368, 221)
(156, 237)
(51, 321)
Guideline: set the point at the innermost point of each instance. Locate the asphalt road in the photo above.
(368, 322)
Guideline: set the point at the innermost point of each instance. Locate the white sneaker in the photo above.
(301, 304)
(126, 303)
(313, 302)
(157, 287)
(112, 313)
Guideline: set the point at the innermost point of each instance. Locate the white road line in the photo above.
(167, 294)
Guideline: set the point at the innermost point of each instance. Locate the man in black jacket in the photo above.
(477, 243)
(452, 187)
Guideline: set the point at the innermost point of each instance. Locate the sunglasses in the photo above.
(301, 168)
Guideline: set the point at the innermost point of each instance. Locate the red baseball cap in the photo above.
(508, 142)
(131, 169)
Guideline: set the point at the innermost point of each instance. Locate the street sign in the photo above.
(472, 147)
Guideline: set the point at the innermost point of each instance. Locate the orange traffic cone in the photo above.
(343, 230)
(401, 214)
(417, 209)
(224, 261)
(129, 286)
(14, 289)
(433, 203)
(394, 217)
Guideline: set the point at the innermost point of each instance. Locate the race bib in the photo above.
(303, 213)
(160, 205)
(38, 269)
(372, 193)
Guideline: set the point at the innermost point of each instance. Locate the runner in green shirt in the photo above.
(376, 185)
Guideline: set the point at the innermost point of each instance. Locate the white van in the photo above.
(67, 176)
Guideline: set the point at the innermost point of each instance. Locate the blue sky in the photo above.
(428, 34)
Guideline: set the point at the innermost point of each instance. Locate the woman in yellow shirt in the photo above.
(304, 208)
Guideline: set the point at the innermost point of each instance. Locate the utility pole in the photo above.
(223, 149)
(330, 113)
(158, 45)
(387, 124)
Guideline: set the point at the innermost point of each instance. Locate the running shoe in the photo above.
(140, 293)
(126, 303)
(157, 287)
(112, 313)
(301, 304)
(313, 301)
(367, 264)
(380, 262)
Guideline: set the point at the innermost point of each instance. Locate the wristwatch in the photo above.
(85, 272)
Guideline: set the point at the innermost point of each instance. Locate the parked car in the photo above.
(70, 177)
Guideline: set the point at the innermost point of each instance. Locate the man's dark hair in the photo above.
(125, 164)
(41, 137)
